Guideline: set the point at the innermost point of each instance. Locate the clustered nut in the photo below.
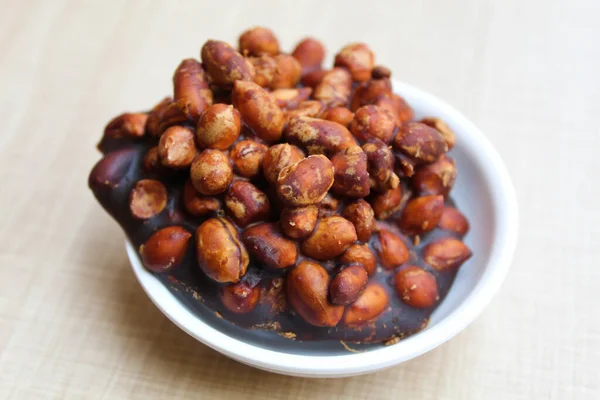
(165, 249)
(369, 305)
(258, 110)
(312, 189)
(192, 94)
(258, 41)
(221, 254)
(247, 157)
(351, 178)
(346, 286)
(360, 254)
(219, 127)
(147, 198)
(446, 253)
(176, 148)
(240, 297)
(305, 182)
(197, 204)
(373, 122)
(416, 287)
(306, 288)
(131, 125)
(224, 65)
(211, 172)
(332, 236)
(246, 204)
(422, 214)
(299, 222)
(391, 249)
(362, 216)
(268, 245)
(318, 136)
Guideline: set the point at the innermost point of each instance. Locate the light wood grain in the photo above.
(75, 324)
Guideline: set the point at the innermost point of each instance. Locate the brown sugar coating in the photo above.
(287, 196)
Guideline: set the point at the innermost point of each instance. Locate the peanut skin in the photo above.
(246, 204)
(269, 246)
(360, 254)
(334, 88)
(247, 157)
(240, 298)
(310, 53)
(391, 249)
(211, 172)
(258, 41)
(277, 158)
(422, 143)
(358, 59)
(351, 176)
(299, 222)
(165, 249)
(176, 148)
(422, 214)
(373, 122)
(371, 303)
(362, 216)
(318, 136)
(446, 253)
(132, 125)
(416, 287)
(348, 285)
(219, 127)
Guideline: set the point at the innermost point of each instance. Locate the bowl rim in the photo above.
(504, 202)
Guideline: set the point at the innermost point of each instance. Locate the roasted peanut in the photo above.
(332, 236)
(351, 178)
(399, 108)
(369, 92)
(221, 254)
(108, 173)
(165, 248)
(422, 143)
(240, 297)
(219, 127)
(151, 163)
(421, 214)
(246, 204)
(387, 203)
(313, 78)
(264, 70)
(310, 54)
(211, 172)
(454, 221)
(446, 253)
(358, 59)
(196, 204)
(329, 206)
(369, 305)
(308, 108)
(436, 178)
(341, 115)
(266, 242)
(163, 115)
(391, 249)
(360, 254)
(442, 128)
(380, 165)
(373, 122)
(416, 287)
(247, 157)
(299, 222)
(380, 72)
(176, 148)
(334, 88)
(258, 109)
(279, 72)
(131, 125)
(305, 182)
(277, 158)
(191, 92)
(258, 41)
(348, 285)
(405, 166)
(360, 213)
(147, 199)
(318, 136)
(224, 65)
(306, 289)
(291, 98)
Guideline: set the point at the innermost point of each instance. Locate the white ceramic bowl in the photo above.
(483, 191)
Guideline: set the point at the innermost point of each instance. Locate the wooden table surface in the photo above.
(75, 324)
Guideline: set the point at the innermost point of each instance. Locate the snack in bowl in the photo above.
(288, 197)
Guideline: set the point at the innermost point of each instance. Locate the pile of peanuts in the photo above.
(321, 174)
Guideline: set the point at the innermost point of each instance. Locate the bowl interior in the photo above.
(483, 192)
